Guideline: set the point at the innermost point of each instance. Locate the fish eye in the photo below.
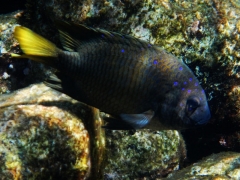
(192, 104)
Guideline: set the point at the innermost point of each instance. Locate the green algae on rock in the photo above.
(144, 154)
(177, 26)
(41, 140)
(221, 166)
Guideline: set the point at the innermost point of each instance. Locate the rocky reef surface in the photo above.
(203, 33)
(221, 166)
(15, 74)
(144, 154)
(42, 141)
(46, 134)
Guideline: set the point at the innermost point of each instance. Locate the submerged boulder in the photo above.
(42, 141)
(145, 154)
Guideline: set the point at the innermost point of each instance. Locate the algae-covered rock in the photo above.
(7, 24)
(143, 155)
(42, 141)
(221, 166)
(195, 31)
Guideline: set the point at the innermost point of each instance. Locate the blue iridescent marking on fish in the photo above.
(196, 84)
(183, 89)
(180, 68)
(185, 82)
(188, 90)
(122, 50)
(175, 83)
(155, 62)
(190, 79)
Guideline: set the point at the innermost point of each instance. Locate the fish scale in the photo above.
(138, 83)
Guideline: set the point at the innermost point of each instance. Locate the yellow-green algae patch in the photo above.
(221, 166)
(42, 141)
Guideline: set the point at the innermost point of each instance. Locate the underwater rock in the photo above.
(46, 134)
(222, 166)
(200, 31)
(143, 155)
(7, 24)
(15, 74)
(42, 137)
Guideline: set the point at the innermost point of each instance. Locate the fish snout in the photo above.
(201, 115)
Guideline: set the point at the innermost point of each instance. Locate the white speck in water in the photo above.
(10, 66)
(5, 75)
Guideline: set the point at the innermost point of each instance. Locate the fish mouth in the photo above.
(201, 121)
(202, 118)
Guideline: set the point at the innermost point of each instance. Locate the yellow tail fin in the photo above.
(34, 46)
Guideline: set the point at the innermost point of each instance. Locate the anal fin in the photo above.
(66, 85)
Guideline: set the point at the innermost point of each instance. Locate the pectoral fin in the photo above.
(129, 121)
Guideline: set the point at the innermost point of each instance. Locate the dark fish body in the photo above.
(125, 77)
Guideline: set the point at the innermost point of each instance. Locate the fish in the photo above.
(138, 83)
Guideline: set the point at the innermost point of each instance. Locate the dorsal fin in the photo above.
(68, 42)
(73, 35)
